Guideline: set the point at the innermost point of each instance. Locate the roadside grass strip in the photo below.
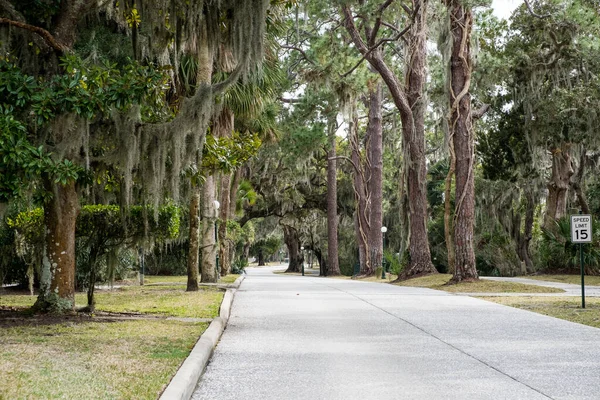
(182, 279)
(567, 308)
(572, 279)
(439, 282)
(100, 357)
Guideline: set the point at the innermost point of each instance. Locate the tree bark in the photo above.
(528, 231)
(204, 75)
(413, 134)
(461, 132)
(57, 281)
(578, 184)
(332, 215)
(209, 245)
(292, 241)
(558, 187)
(375, 183)
(225, 128)
(194, 239)
(361, 218)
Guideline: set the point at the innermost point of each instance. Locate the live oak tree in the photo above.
(79, 100)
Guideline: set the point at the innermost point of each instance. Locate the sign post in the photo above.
(581, 232)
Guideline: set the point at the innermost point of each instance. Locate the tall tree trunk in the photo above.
(194, 239)
(57, 280)
(578, 184)
(558, 187)
(332, 215)
(375, 183)
(413, 134)
(292, 241)
(361, 218)
(204, 75)
(461, 132)
(225, 128)
(448, 226)
(209, 247)
(528, 231)
(233, 192)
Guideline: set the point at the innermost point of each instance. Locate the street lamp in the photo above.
(302, 250)
(383, 231)
(217, 206)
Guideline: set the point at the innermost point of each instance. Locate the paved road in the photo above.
(293, 337)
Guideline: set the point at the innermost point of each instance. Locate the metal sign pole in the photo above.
(582, 276)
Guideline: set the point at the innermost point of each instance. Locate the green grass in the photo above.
(439, 281)
(93, 360)
(171, 301)
(182, 279)
(82, 357)
(573, 279)
(567, 308)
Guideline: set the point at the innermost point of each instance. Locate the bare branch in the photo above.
(283, 46)
(47, 36)
(476, 114)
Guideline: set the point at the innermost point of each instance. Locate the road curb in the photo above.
(185, 380)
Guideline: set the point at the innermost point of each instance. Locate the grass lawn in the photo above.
(574, 279)
(439, 281)
(568, 308)
(101, 357)
(182, 279)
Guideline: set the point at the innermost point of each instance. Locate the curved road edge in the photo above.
(185, 380)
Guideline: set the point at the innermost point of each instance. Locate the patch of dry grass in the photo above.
(438, 282)
(567, 308)
(93, 360)
(171, 301)
(182, 279)
(573, 279)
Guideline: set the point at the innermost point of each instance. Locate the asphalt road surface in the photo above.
(294, 337)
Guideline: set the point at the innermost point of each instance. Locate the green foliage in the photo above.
(107, 221)
(266, 247)
(228, 153)
(558, 253)
(86, 89)
(20, 161)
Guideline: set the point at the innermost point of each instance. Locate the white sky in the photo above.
(503, 8)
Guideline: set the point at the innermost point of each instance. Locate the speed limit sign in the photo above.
(581, 228)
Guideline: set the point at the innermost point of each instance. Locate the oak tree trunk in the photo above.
(461, 132)
(558, 187)
(57, 280)
(292, 242)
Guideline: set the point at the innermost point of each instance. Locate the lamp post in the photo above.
(383, 231)
(217, 206)
(302, 250)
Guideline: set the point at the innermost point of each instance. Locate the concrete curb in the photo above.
(185, 380)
